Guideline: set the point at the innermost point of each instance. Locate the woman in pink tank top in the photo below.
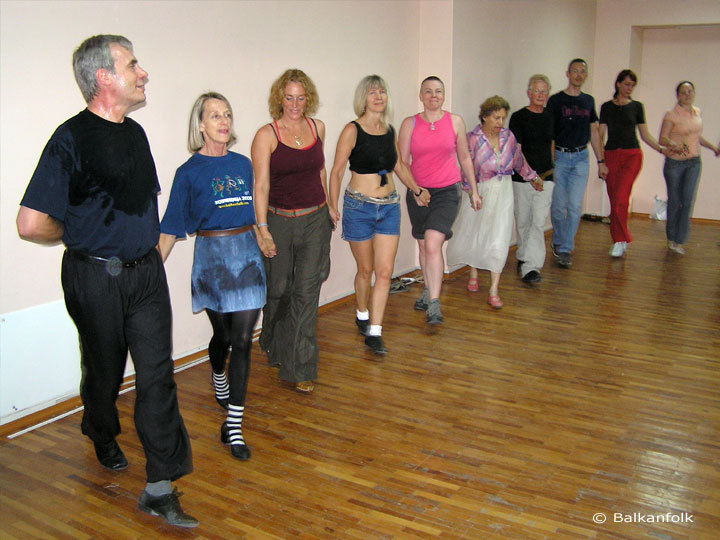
(434, 142)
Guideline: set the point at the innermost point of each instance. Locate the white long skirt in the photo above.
(482, 239)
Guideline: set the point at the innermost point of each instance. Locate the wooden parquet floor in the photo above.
(595, 392)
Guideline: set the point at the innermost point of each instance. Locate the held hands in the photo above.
(475, 200)
(266, 243)
(423, 198)
(334, 215)
(677, 149)
(602, 171)
(537, 183)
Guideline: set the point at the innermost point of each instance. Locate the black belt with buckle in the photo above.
(111, 262)
(571, 150)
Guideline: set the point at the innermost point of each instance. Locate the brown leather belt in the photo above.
(298, 212)
(225, 232)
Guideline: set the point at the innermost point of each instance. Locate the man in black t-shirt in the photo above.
(575, 124)
(95, 188)
(533, 129)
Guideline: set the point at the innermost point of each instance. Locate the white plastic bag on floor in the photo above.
(659, 210)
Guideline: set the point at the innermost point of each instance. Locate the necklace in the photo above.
(298, 139)
(432, 123)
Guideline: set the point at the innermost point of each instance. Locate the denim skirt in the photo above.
(228, 273)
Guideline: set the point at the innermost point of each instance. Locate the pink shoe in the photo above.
(494, 301)
(473, 285)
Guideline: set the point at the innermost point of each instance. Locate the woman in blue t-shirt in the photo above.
(212, 197)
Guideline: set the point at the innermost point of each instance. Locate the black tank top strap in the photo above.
(317, 133)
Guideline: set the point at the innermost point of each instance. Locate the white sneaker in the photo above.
(677, 248)
(618, 249)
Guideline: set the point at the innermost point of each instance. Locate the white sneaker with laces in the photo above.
(618, 249)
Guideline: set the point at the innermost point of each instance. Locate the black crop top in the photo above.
(374, 154)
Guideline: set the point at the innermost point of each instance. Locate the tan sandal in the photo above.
(305, 387)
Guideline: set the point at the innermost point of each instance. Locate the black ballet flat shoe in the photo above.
(110, 455)
(238, 451)
(223, 402)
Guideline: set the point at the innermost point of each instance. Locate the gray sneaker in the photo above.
(421, 304)
(434, 315)
(564, 260)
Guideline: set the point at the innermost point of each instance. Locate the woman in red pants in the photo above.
(621, 118)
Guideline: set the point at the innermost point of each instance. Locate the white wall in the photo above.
(664, 42)
(499, 44)
(237, 48)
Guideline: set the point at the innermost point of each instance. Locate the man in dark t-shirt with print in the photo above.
(95, 188)
(533, 129)
(575, 124)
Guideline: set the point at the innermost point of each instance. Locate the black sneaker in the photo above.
(564, 260)
(533, 276)
(421, 304)
(362, 326)
(434, 315)
(168, 507)
(555, 252)
(376, 344)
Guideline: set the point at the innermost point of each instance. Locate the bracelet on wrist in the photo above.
(601, 161)
(262, 225)
(418, 193)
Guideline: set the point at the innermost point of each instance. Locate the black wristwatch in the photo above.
(418, 193)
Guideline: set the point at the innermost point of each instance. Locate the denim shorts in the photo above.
(363, 219)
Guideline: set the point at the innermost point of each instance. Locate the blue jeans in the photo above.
(571, 173)
(681, 179)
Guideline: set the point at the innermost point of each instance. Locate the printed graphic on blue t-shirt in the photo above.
(231, 191)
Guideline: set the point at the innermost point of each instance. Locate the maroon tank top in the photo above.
(295, 175)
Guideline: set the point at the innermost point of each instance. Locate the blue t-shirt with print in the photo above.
(210, 193)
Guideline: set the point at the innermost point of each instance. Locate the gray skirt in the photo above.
(228, 273)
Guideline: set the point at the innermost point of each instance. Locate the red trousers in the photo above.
(623, 168)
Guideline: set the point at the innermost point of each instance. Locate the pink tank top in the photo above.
(433, 151)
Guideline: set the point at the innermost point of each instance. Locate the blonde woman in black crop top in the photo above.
(371, 206)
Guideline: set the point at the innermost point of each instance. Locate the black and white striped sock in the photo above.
(220, 382)
(234, 423)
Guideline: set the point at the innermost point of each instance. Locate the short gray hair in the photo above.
(361, 92)
(94, 54)
(539, 77)
(195, 137)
